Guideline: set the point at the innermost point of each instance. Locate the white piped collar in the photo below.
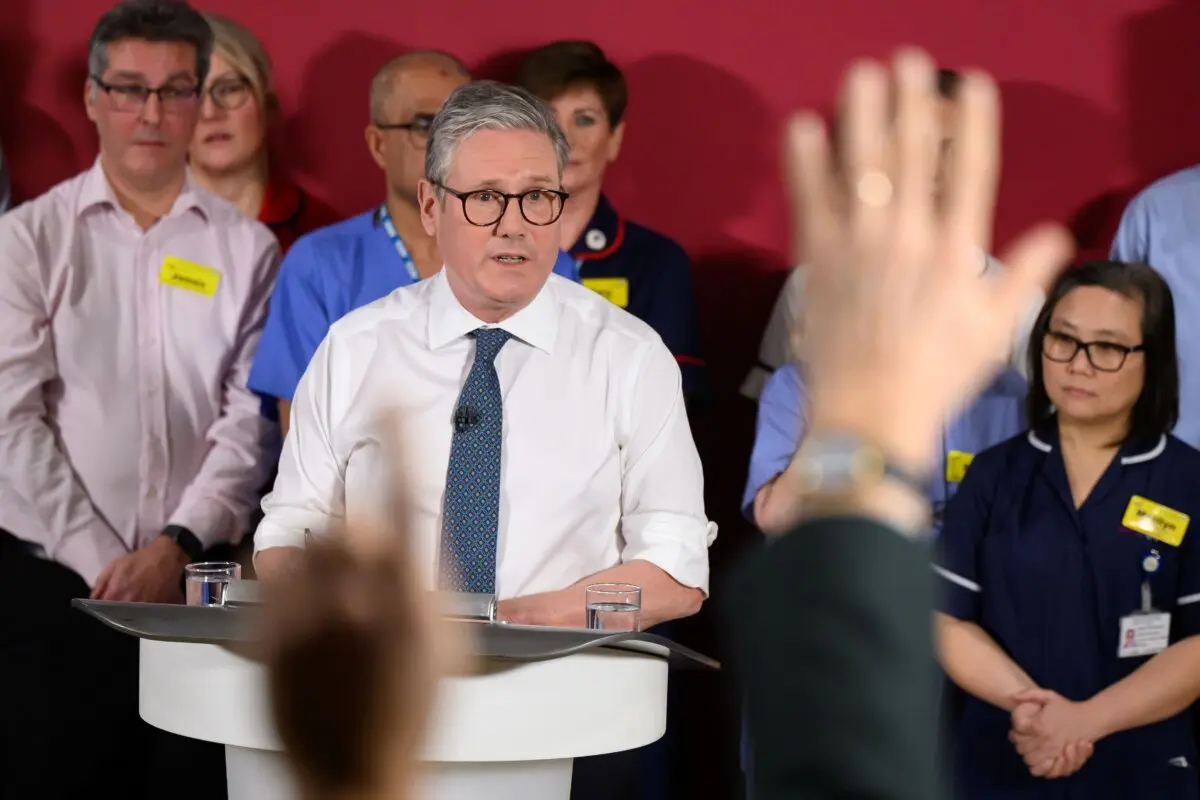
(1138, 458)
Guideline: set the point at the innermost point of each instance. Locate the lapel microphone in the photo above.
(465, 418)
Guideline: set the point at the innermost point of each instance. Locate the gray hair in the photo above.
(384, 80)
(487, 106)
(150, 21)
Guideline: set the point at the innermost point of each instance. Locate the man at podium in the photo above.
(548, 446)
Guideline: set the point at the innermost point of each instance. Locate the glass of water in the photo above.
(207, 581)
(613, 606)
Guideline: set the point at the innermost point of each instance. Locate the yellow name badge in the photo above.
(189, 275)
(614, 290)
(1160, 523)
(956, 465)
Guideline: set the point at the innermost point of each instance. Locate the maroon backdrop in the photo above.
(1099, 99)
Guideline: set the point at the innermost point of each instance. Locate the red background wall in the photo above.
(1100, 97)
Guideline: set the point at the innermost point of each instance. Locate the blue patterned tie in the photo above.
(472, 509)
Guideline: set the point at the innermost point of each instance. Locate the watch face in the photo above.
(838, 463)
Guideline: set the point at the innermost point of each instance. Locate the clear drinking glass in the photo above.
(613, 606)
(207, 581)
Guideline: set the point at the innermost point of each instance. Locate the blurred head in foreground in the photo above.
(353, 650)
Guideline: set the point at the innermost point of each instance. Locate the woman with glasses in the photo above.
(228, 155)
(1070, 580)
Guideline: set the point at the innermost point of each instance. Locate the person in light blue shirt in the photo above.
(997, 414)
(332, 271)
(1159, 228)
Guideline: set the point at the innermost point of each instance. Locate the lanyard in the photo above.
(385, 219)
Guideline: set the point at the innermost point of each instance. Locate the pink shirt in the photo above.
(123, 399)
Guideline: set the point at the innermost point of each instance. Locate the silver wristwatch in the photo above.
(837, 463)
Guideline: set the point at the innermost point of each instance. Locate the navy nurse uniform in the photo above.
(1050, 584)
(650, 276)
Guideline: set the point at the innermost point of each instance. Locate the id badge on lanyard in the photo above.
(1146, 631)
(385, 219)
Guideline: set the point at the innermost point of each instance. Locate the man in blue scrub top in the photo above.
(1159, 228)
(332, 271)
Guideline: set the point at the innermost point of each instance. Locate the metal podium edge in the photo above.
(233, 626)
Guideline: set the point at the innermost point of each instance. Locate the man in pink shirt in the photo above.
(131, 302)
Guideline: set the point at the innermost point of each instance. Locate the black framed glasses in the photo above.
(483, 207)
(417, 128)
(1103, 356)
(174, 98)
(231, 93)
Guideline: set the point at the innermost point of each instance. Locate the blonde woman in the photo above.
(229, 150)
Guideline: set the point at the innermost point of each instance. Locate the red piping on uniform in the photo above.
(691, 360)
(612, 248)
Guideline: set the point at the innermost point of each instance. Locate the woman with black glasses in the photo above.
(1069, 576)
(229, 152)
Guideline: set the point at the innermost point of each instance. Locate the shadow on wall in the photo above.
(711, 144)
(1162, 117)
(1061, 153)
(38, 150)
(334, 109)
(1162, 94)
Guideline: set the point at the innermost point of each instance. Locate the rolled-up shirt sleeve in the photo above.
(662, 487)
(37, 480)
(310, 490)
(958, 553)
(216, 505)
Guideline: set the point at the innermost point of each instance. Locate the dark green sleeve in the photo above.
(830, 628)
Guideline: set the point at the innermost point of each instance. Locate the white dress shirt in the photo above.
(598, 465)
(776, 347)
(123, 361)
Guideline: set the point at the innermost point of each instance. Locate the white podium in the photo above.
(509, 732)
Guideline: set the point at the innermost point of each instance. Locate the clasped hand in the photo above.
(1054, 735)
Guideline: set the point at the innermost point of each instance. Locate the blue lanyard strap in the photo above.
(385, 219)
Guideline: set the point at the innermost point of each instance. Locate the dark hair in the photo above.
(151, 21)
(948, 82)
(1157, 408)
(557, 68)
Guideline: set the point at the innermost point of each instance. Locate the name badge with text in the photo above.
(614, 290)
(1160, 523)
(189, 276)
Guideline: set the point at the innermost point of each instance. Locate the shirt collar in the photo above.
(604, 234)
(1134, 450)
(536, 324)
(97, 191)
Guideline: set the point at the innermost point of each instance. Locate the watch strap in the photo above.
(188, 542)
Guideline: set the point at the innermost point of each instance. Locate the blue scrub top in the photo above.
(995, 415)
(1159, 228)
(650, 276)
(1050, 583)
(324, 276)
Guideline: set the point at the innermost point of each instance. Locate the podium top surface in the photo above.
(236, 625)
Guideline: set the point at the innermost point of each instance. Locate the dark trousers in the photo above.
(69, 724)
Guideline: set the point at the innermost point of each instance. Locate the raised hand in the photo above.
(898, 329)
(354, 647)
